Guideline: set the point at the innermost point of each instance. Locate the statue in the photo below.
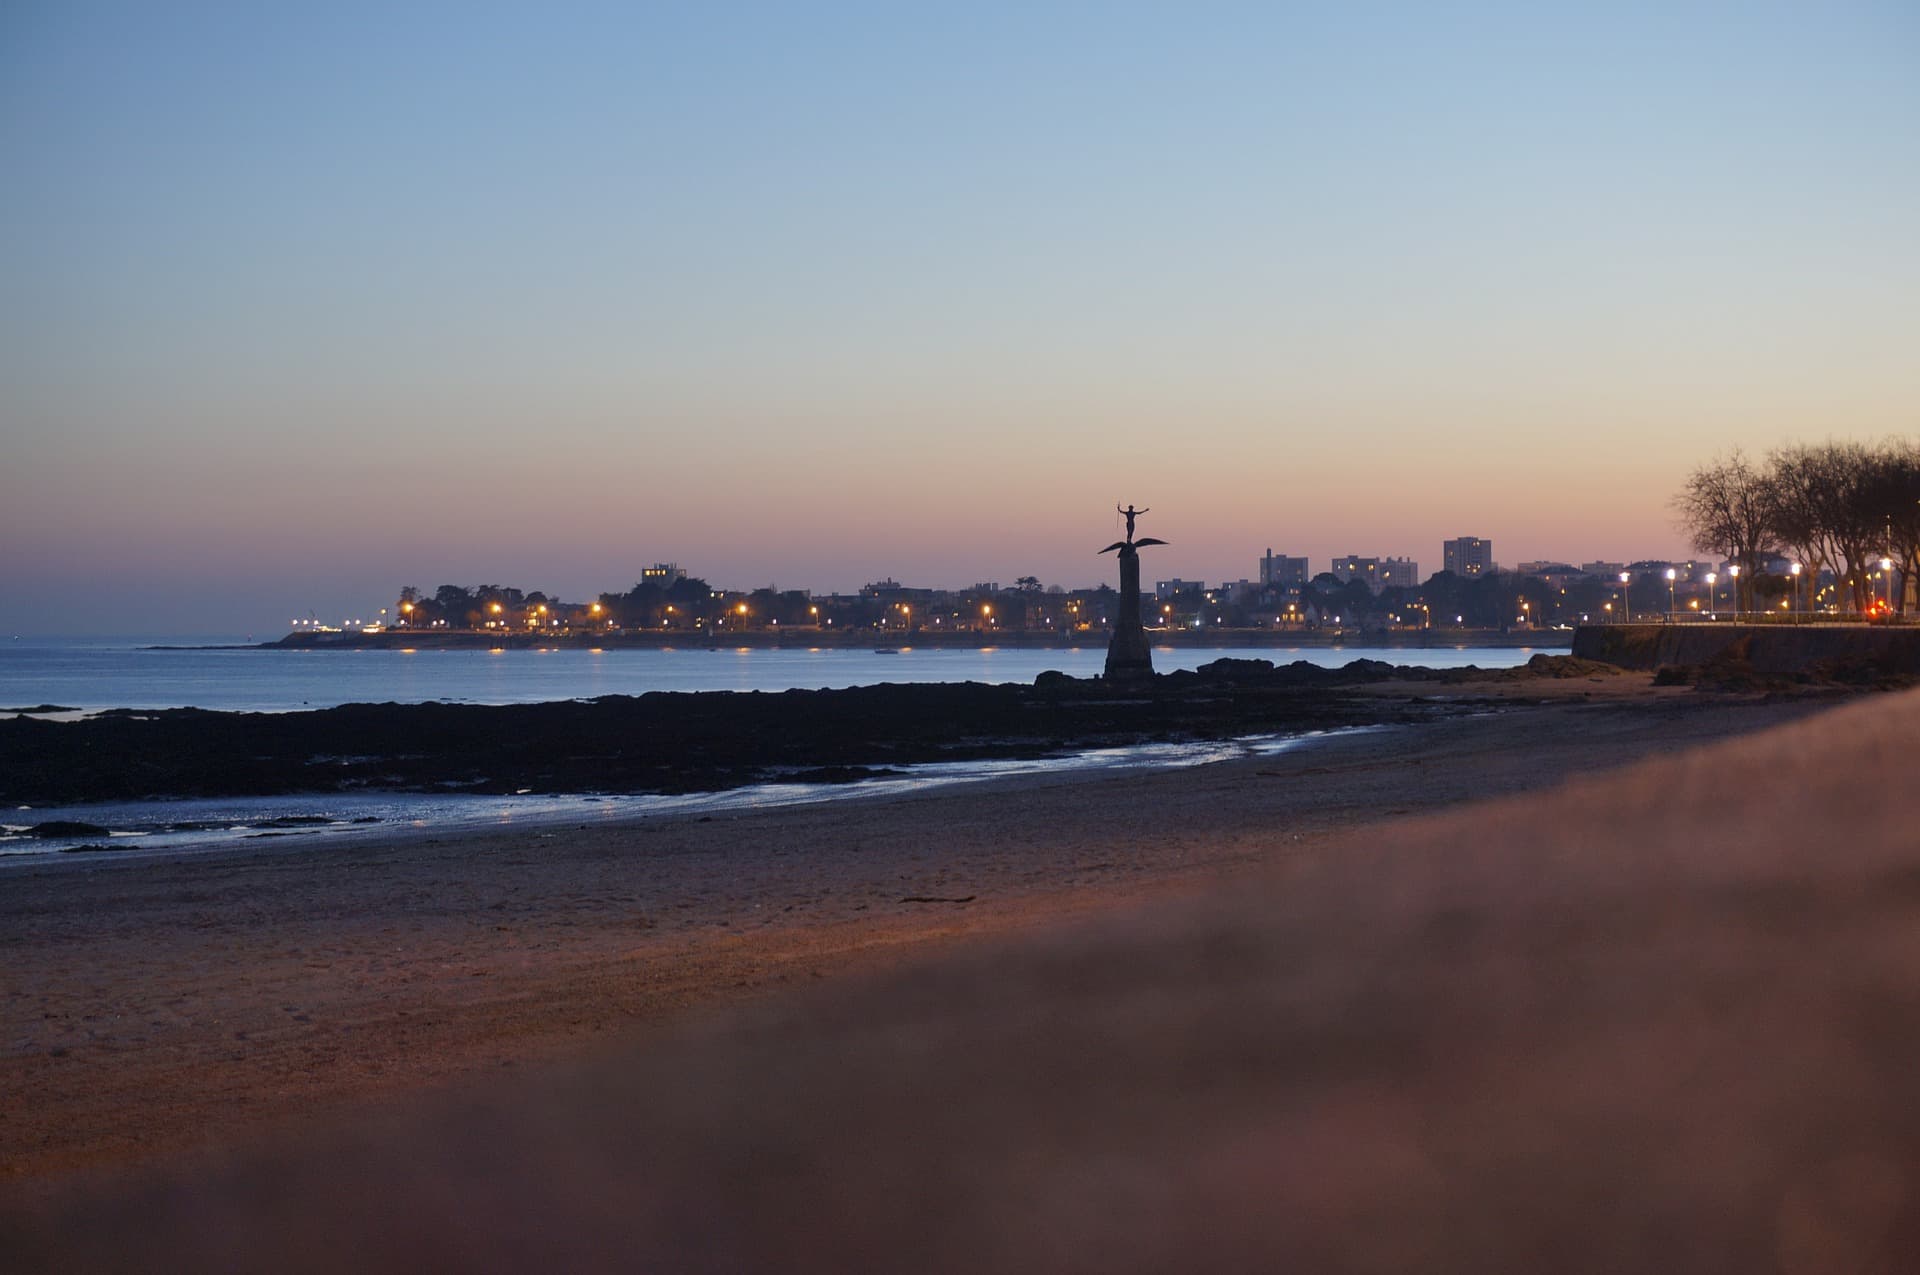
(1128, 655)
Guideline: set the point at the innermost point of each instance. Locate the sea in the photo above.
(87, 675)
(226, 673)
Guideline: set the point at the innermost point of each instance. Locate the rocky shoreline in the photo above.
(682, 742)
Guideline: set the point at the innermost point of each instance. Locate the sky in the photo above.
(303, 303)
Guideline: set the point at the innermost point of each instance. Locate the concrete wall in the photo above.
(1769, 648)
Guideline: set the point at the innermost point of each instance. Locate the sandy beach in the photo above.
(162, 1010)
(1619, 977)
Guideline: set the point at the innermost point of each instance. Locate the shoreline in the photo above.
(678, 742)
(228, 995)
(165, 825)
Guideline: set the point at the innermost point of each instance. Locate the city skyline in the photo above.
(883, 586)
(306, 305)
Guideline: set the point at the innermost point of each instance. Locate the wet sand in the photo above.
(161, 1011)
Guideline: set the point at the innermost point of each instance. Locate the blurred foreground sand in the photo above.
(1665, 1018)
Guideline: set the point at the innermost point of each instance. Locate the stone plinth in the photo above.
(1128, 655)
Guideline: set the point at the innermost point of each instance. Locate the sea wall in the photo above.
(1768, 648)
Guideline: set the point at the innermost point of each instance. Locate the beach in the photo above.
(161, 1012)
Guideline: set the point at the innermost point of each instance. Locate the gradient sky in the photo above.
(301, 303)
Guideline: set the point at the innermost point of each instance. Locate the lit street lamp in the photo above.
(1672, 575)
(1713, 596)
(1626, 603)
(1795, 569)
(1734, 571)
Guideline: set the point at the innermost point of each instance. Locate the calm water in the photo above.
(122, 673)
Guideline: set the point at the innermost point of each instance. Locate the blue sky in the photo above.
(304, 303)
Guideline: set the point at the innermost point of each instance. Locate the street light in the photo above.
(1886, 570)
(1795, 569)
(1713, 597)
(1672, 575)
(1734, 571)
(1626, 603)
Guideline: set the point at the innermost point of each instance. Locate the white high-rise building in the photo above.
(1467, 556)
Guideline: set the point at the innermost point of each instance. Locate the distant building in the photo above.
(1282, 570)
(1605, 570)
(1467, 556)
(1557, 574)
(1165, 589)
(1377, 573)
(1399, 573)
(890, 591)
(1235, 591)
(664, 574)
(1353, 567)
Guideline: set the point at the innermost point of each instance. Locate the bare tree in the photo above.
(1854, 523)
(1838, 506)
(1892, 497)
(1724, 510)
(1799, 507)
(1821, 504)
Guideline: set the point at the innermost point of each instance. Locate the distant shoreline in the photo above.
(871, 639)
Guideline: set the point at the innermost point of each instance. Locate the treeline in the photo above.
(692, 603)
(498, 606)
(1836, 506)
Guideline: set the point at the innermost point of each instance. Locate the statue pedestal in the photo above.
(1129, 658)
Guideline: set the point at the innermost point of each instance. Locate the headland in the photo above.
(806, 637)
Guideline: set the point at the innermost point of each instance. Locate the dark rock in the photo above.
(1229, 669)
(59, 828)
(659, 742)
